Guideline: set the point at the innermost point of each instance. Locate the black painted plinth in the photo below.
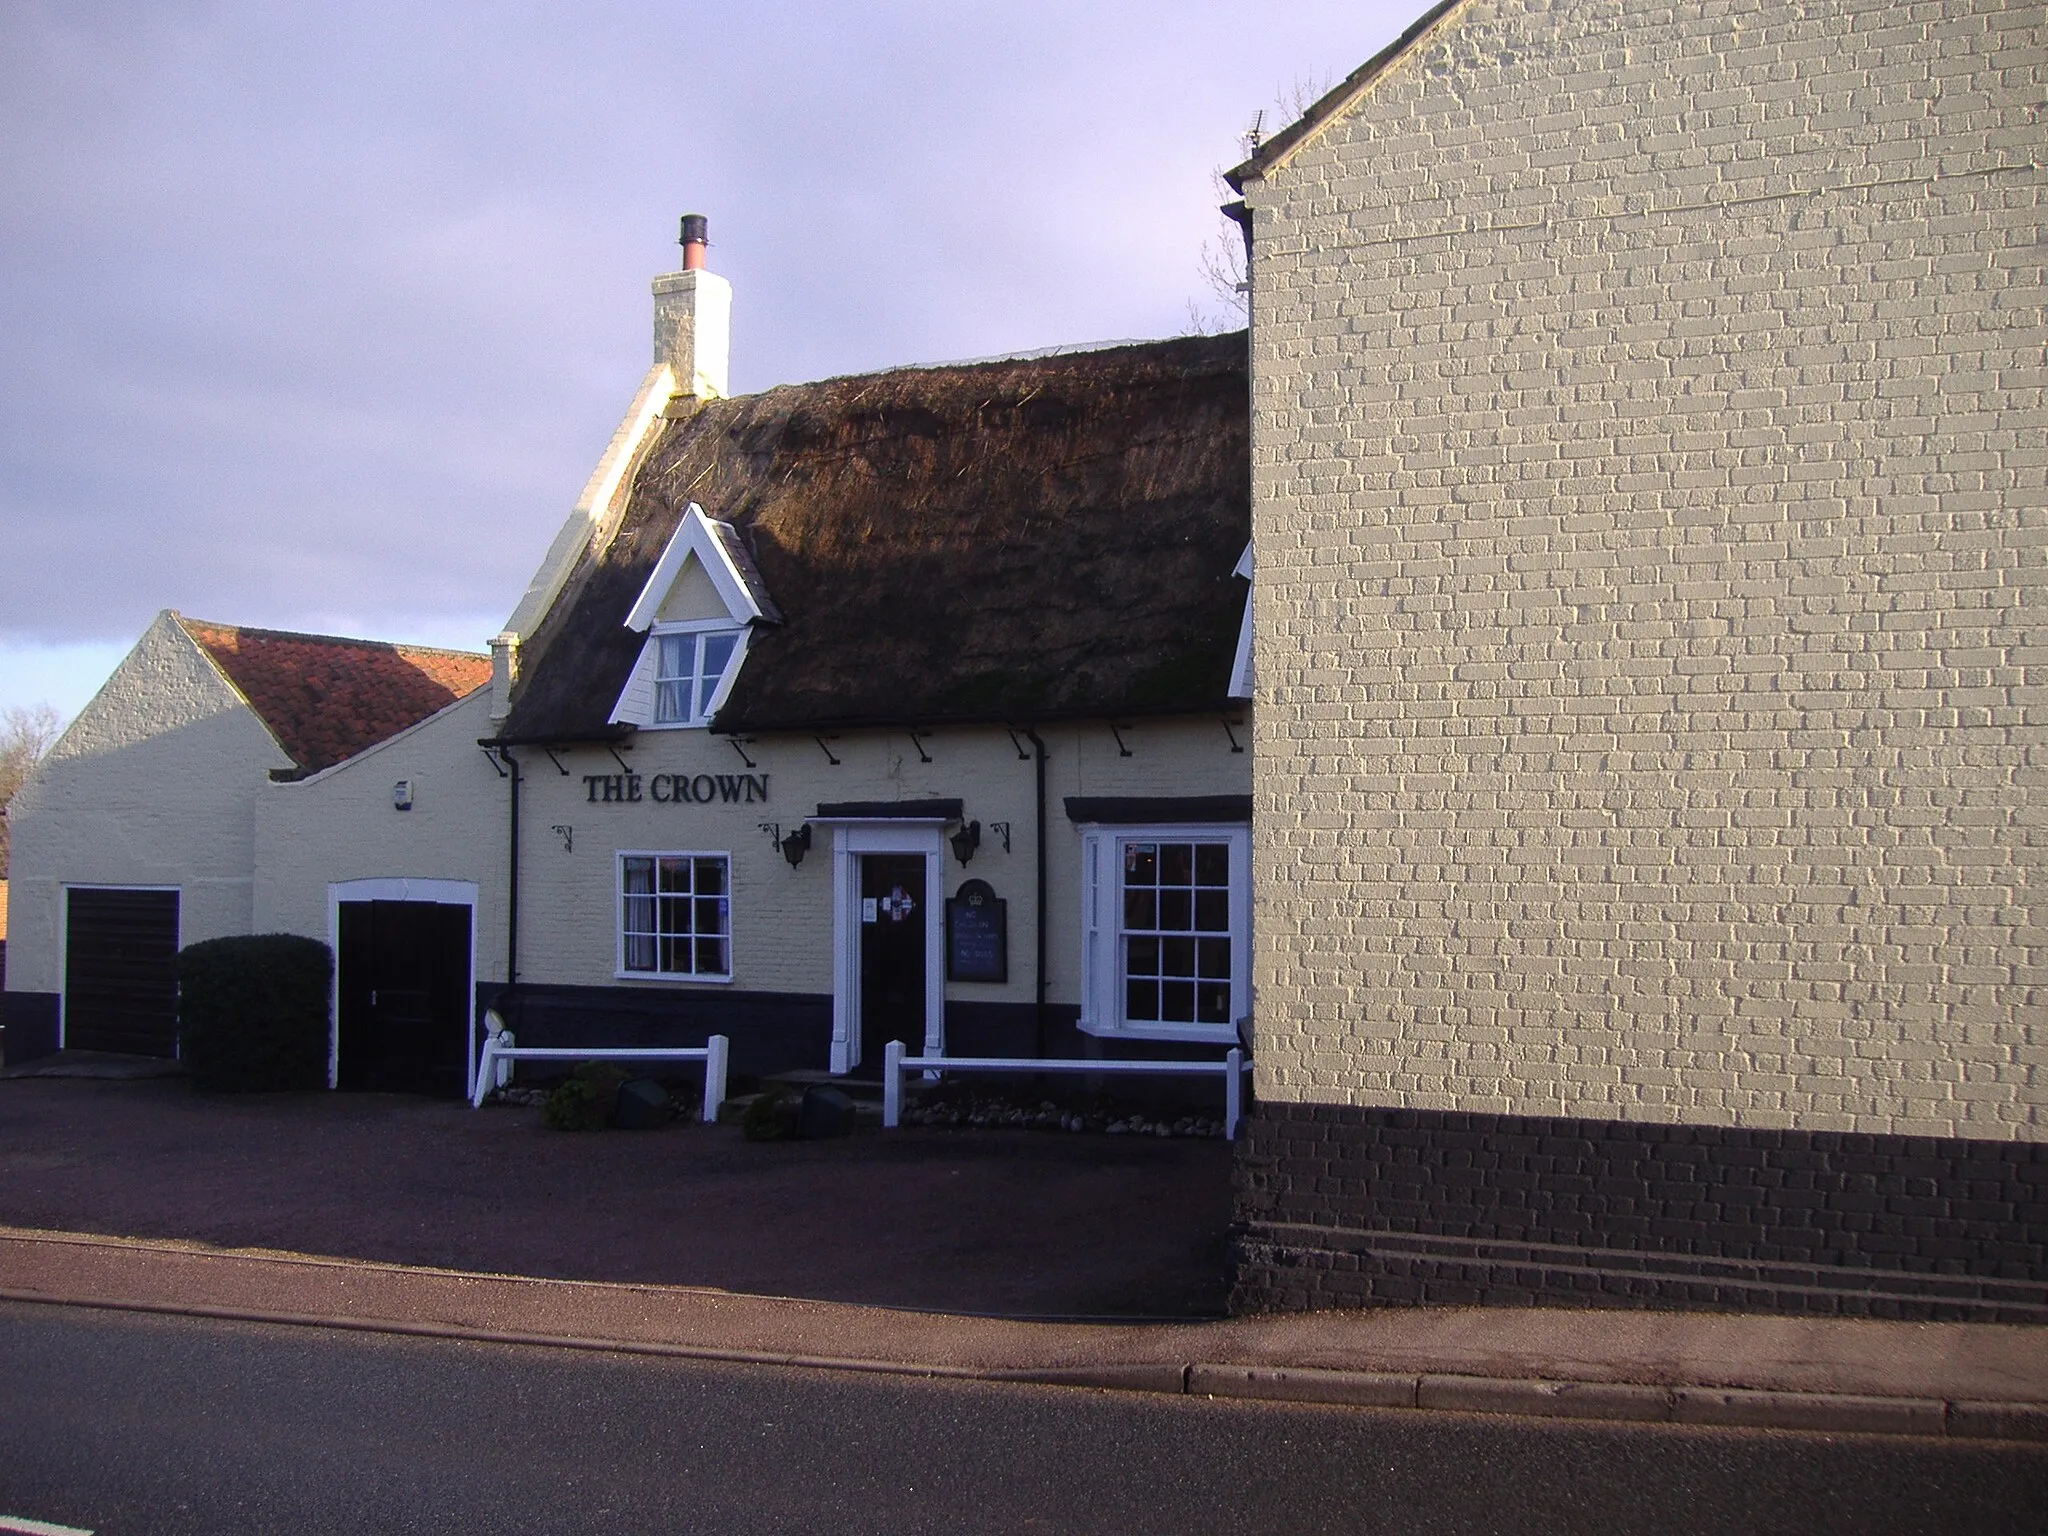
(1346, 1207)
(30, 1020)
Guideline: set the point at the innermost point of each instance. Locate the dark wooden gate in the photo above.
(121, 971)
(404, 996)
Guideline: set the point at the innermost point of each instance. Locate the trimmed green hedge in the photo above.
(253, 1012)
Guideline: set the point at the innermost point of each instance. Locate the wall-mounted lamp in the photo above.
(401, 795)
(796, 845)
(966, 840)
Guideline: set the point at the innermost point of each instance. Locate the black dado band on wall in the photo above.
(1342, 1206)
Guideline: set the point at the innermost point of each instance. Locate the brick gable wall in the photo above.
(1650, 525)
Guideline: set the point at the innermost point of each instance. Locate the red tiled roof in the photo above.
(326, 698)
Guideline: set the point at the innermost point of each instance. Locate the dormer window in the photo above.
(697, 609)
(690, 666)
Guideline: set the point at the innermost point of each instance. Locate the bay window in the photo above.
(1166, 931)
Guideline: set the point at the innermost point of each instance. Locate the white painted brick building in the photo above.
(1648, 458)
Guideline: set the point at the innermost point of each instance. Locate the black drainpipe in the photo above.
(1031, 735)
(512, 879)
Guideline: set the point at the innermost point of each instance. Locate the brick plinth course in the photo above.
(1344, 1207)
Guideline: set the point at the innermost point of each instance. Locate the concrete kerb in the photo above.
(1615, 1402)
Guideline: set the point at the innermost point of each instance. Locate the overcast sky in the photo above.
(317, 316)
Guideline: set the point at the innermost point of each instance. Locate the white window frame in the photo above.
(619, 971)
(1102, 949)
(701, 629)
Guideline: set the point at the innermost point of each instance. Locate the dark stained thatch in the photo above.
(1032, 539)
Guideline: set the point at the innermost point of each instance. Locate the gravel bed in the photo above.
(950, 1105)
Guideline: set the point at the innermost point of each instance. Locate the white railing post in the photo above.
(488, 1067)
(715, 1052)
(506, 1041)
(892, 1084)
(1233, 1092)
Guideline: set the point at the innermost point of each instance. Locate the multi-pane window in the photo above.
(1166, 931)
(675, 915)
(688, 669)
(1176, 933)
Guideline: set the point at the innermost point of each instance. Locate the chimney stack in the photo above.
(693, 317)
(504, 673)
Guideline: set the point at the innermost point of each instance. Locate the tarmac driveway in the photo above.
(1011, 1222)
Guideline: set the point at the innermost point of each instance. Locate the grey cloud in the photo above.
(326, 309)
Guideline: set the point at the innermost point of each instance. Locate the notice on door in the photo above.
(977, 934)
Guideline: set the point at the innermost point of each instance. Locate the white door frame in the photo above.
(851, 839)
(444, 893)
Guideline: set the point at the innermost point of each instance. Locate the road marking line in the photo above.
(28, 1527)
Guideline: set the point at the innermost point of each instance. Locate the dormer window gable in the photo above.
(696, 610)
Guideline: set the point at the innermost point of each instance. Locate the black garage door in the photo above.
(121, 972)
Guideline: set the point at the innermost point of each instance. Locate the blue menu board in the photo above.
(977, 934)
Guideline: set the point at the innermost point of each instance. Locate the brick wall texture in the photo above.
(1650, 526)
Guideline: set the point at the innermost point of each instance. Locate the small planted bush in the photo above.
(253, 1012)
(586, 1100)
(771, 1117)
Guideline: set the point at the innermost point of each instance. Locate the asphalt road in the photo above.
(124, 1424)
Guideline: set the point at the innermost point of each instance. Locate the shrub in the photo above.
(771, 1117)
(253, 1012)
(585, 1101)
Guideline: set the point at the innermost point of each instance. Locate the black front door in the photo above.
(404, 984)
(892, 927)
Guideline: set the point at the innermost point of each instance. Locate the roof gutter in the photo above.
(609, 735)
(1221, 704)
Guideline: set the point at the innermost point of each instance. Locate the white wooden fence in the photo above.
(494, 1066)
(894, 1064)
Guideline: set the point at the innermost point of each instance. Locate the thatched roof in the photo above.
(994, 542)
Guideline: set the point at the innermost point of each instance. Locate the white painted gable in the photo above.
(692, 595)
(715, 549)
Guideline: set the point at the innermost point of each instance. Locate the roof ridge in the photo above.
(188, 622)
(996, 360)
